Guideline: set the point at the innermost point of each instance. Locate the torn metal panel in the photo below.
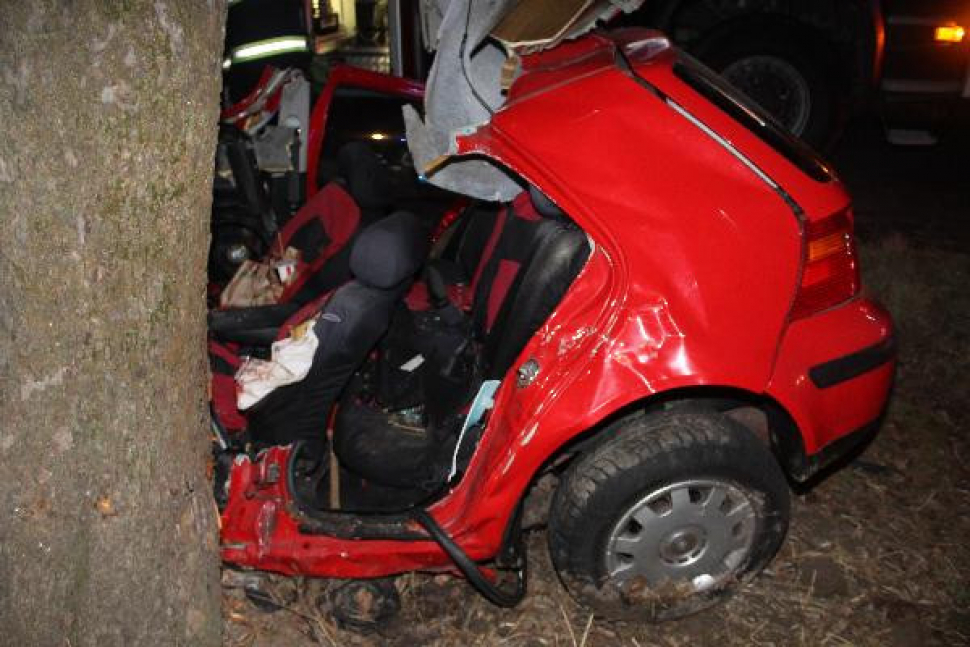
(476, 41)
(295, 113)
(274, 148)
(463, 91)
(476, 177)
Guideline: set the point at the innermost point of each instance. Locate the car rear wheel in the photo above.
(668, 517)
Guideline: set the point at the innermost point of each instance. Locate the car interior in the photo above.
(410, 332)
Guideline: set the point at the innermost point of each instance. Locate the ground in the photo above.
(876, 554)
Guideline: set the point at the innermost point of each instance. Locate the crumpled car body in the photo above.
(707, 277)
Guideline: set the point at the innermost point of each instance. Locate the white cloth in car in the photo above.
(290, 363)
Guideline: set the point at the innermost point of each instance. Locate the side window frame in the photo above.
(344, 76)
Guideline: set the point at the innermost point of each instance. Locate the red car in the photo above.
(666, 312)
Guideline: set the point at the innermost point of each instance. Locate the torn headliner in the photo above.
(478, 42)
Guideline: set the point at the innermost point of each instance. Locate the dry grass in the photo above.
(876, 555)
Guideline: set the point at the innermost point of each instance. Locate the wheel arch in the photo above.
(687, 452)
(760, 413)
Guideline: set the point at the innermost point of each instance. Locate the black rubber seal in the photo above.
(845, 368)
(470, 569)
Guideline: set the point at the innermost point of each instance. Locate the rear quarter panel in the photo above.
(695, 264)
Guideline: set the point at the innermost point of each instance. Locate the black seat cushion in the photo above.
(257, 325)
(389, 251)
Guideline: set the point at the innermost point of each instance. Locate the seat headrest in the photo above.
(389, 251)
(368, 178)
(546, 207)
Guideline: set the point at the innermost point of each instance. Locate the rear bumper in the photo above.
(833, 376)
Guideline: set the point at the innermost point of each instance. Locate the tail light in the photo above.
(830, 273)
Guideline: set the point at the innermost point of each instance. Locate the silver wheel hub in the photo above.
(683, 545)
(696, 531)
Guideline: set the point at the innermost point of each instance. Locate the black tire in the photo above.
(761, 65)
(676, 455)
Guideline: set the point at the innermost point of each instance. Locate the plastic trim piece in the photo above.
(847, 367)
(470, 569)
(837, 450)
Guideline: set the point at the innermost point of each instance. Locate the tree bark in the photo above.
(107, 525)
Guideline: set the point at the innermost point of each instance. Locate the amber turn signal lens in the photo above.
(830, 274)
(828, 245)
(949, 34)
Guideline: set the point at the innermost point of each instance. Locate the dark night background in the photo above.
(877, 550)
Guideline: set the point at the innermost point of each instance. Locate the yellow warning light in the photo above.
(950, 34)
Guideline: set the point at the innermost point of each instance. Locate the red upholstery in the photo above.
(339, 216)
(302, 315)
(523, 207)
(504, 276)
(489, 250)
(224, 387)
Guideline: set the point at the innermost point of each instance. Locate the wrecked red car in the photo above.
(654, 294)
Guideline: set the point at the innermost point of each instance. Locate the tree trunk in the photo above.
(107, 525)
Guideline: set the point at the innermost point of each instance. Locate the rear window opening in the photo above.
(746, 112)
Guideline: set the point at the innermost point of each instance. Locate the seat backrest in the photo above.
(324, 228)
(383, 259)
(560, 251)
(476, 228)
(367, 178)
(520, 260)
(512, 242)
(523, 278)
(326, 220)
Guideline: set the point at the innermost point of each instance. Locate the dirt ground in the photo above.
(876, 554)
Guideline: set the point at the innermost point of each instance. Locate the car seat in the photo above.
(524, 273)
(323, 227)
(383, 260)
(322, 230)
